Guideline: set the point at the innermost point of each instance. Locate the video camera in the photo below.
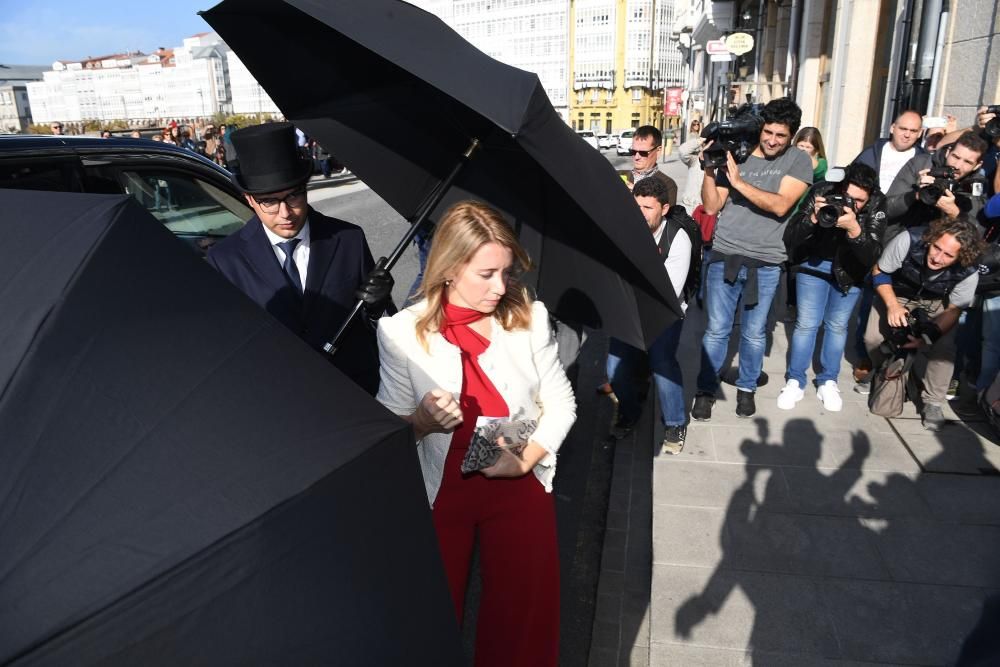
(992, 128)
(944, 179)
(919, 324)
(738, 135)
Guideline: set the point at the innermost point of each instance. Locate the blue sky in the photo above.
(39, 32)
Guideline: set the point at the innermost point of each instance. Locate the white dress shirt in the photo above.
(301, 254)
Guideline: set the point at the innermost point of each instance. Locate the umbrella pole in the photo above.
(389, 262)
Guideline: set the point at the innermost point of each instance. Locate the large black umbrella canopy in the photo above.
(397, 96)
(182, 480)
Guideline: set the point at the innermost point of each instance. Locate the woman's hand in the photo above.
(511, 465)
(437, 412)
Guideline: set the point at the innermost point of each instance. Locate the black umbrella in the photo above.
(399, 97)
(182, 480)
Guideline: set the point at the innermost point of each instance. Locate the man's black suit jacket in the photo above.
(339, 261)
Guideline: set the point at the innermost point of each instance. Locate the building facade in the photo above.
(188, 81)
(623, 59)
(15, 109)
(851, 65)
(532, 36)
(248, 96)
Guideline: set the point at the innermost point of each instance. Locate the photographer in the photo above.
(946, 183)
(923, 280)
(834, 239)
(987, 126)
(752, 200)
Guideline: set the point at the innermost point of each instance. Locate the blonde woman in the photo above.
(476, 347)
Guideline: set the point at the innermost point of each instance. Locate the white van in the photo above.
(589, 137)
(625, 141)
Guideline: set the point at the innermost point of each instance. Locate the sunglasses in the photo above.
(633, 151)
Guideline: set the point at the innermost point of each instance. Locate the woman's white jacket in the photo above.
(523, 365)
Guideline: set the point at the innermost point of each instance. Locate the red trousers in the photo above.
(518, 620)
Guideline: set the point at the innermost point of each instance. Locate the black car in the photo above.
(192, 196)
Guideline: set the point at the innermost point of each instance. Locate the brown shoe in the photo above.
(862, 370)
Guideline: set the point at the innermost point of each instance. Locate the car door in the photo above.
(197, 209)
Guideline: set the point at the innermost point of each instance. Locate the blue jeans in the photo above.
(820, 302)
(422, 239)
(622, 361)
(721, 301)
(990, 363)
(968, 343)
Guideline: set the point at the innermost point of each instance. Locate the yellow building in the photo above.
(621, 60)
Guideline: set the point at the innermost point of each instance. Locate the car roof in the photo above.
(51, 144)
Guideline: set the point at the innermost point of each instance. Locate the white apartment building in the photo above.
(532, 36)
(15, 111)
(185, 82)
(248, 96)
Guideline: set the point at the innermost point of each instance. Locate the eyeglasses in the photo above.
(56, 127)
(291, 200)
(633, 151)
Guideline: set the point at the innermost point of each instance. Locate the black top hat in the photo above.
(269, 158)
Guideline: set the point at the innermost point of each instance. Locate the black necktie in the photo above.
(288, 247)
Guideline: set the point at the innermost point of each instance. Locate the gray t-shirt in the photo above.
(892, 259)
(743, 229)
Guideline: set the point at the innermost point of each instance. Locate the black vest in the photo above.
(910, 280)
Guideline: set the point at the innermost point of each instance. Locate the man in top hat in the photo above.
(303, 267)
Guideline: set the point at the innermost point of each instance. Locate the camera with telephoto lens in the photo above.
(919, 324)
(992, 128)
(944, 179)
(833, 208)
(738, 135)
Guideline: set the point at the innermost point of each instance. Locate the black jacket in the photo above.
(339, 261)
(905, 211)
(853, 258)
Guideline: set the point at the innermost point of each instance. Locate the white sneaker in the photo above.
(790, 395)
(829, 394)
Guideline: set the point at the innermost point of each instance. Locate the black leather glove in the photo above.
(376, 291)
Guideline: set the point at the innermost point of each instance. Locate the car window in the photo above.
(59, 174)
(186, 205)
(586, 134)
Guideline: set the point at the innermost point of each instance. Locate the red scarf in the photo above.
(479, 397)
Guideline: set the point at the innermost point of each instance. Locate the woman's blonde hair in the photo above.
(465, 228)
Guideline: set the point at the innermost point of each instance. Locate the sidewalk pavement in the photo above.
(796, 537)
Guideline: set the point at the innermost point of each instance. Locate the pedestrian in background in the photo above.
(809, 139)
(477, 349)
(690, 154)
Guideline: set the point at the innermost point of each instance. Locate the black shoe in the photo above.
(673, 439)
(745, 406)
(622, 428)
(702, 410)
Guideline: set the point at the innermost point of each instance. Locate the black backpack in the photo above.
(677, 220)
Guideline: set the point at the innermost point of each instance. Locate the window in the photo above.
(637, 94)
(186, 205)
